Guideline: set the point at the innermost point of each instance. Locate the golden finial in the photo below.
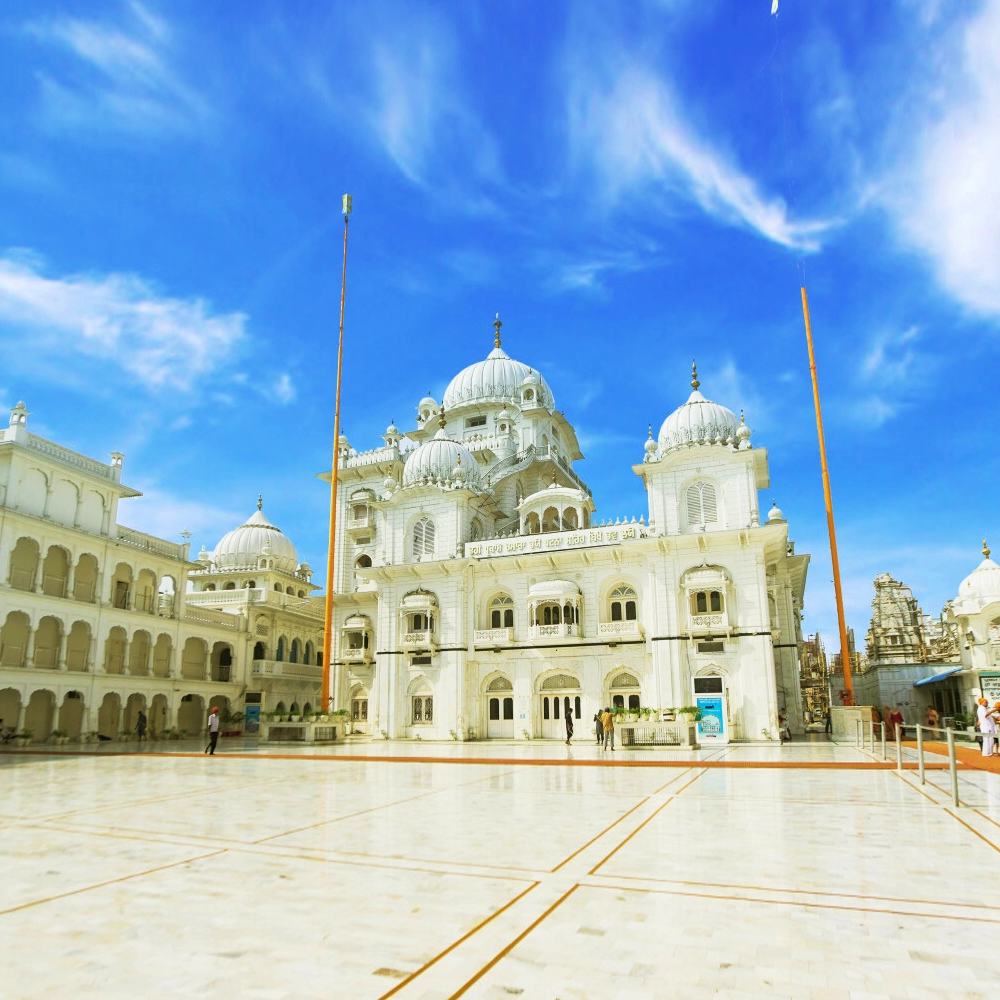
(743, 419)
(986, 549)
(441, 419)
(694, 376)
(496, 326)
(650, 430)
(260, 501)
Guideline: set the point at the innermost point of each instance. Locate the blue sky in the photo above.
(629, 185)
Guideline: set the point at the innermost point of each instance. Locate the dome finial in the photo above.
(986, 549)
(650, 430)
(496, 326)
(441, 419)
(260, 501)
(694, 376)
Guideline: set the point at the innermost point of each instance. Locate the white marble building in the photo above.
(477, 596)
(96, 622)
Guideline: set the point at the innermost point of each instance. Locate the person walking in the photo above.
(987, 725)
(140, 726)
(932, 718)
(213, 730)
(608, 722)
(828, 723)
(598, 727)
(569, 722)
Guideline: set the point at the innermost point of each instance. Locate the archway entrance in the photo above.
(558, 696)
(39, 715)
(108, 716)
(500, 709)
(191, 715)
(624, 691)
(71, 715)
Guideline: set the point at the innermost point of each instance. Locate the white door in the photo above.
(555, 708)
(500, 718)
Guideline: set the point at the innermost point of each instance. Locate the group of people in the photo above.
(604, 727)
(891, 718)
(986, 719)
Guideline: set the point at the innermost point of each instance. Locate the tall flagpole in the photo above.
(328, 616)
(845, 652)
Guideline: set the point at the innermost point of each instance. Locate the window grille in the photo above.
(423, 538)
(701, 504)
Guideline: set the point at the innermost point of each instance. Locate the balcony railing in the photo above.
(554, 631)
(625, 630)
(708, 623)
(418, 640)
(282, 668)
(363, 523)
(357, 654)
(493, 636)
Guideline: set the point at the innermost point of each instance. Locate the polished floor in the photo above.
(536, 871)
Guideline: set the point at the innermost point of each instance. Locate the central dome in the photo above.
(243, 546)
(982, 586)
(700, 421)
(497, 379)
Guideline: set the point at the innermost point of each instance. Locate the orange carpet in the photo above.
(968, 754)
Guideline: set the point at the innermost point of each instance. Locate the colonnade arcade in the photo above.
(55, 643)
(42, 711)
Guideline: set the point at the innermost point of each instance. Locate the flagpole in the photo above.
(328, 615)
(845, 653)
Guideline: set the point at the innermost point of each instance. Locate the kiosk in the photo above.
(710, 698)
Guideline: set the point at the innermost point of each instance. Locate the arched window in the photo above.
(707, 601)
(293, 654)
(423, 538)
(701, 504)
(251, 584)
(476, 530)
(259, 651)
(624, 605)
(229, 586)
(307, 657)
(277, 587)
(502, 612)
(280, 654)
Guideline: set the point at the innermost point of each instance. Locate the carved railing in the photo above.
(632, 628)
(129, 536)
(493, 636)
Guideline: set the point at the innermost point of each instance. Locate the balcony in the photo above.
(493, 636)
(418, 640)
(356, 654)
(710, 623)
(562, 631)
(621, 630)
(361, 524)
(265, 669)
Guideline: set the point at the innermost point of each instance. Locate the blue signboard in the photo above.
(713, 717)
(251, 719)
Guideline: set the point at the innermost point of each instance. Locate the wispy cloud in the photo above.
(165, 515)
(123, 76)
(628, 124)
(891, 373)
(944, 191)
(161, 341)
(284, 389)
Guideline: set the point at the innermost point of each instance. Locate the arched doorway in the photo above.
(10, 709)
(136, 703)
(158, 714)
(624, 691)
(500, 709)
(40, 714)
(359, 709)
(71, 715)
(558, 695)
(108, 716)
(191, 715)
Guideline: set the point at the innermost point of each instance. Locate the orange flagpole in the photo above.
(845, 655)
(328, 610)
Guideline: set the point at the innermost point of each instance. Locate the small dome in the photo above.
(982, 586)
(392, 429)
(504, 414)
(437, 459)
(699, 421)
(774, 514)
(497, 379)
(243, 546)
(553, 589)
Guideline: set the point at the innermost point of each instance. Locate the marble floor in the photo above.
(537, 871)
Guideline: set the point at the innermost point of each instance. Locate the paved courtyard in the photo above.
(493, 871)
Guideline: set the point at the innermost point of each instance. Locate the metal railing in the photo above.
(860, 741)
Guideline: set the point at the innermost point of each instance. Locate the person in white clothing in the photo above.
(987, 725)
(213, 730)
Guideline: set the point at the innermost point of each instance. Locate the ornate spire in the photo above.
(650, 430)
(986, 549)
(694, 376)
(260, 501)
(441, 419)
(496, 326)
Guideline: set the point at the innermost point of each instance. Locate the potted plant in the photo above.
(91, 737)
(59, 737)
(692, 713)
(23, 738)
(668, 715)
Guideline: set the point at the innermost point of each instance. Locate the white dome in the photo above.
(553, 588)
(243, 546)
(496, 380)
(982, 585)
(437, 459)
(698, 421)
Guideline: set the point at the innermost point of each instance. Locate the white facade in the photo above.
(476, 597)
(95, 620)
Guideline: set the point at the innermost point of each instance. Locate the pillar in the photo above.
(61, 659)
(29, 650)
(70, 580)
(90, 663)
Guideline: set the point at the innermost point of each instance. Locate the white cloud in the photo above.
(627, 123)
(160, 341)
(160, 513)
(284, 389)
(131, 82)
(945, 190)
